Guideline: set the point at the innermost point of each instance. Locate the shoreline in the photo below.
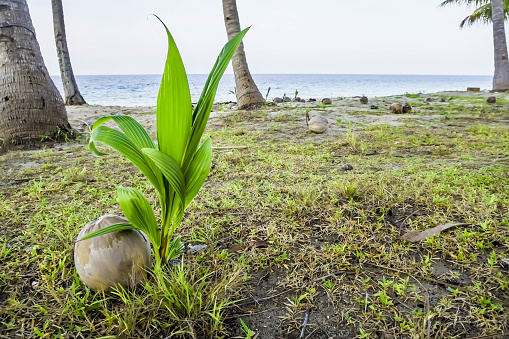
(142, 90)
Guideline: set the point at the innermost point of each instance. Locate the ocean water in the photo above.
(141, 90)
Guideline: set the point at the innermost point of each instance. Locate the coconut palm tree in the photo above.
(248, 95)
(72, 93)
(494, 11)
(501, 77)
(30, 104)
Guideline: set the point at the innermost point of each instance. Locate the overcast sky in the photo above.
(287, 36)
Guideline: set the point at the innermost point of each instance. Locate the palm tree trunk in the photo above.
(501, 78)
(72, 93)
(30, 104)
(248, 95)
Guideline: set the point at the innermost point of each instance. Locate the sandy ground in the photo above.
(340, 113)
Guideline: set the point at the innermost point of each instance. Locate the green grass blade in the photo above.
(202, 111)
(139, 212)
(122, 226)
(198, 170)
(132, 129)
(174, 108)
(126, 147)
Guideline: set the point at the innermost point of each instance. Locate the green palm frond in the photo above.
(482, 13)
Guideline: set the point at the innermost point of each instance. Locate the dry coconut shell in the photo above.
(318, 124)
(118, 258)
(396, 108)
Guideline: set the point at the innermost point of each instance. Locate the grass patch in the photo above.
(282, 216)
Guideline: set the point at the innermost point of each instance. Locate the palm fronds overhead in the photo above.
(481, 14)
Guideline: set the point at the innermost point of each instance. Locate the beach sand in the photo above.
(343, 113)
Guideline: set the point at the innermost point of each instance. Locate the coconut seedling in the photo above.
(176, 165)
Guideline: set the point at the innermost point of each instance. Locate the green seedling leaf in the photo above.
(122, 226)
(203, 107)
(174, 107)
(170, 169)
(127, 148)
(132, 129)
(139, 212)
(198, 171)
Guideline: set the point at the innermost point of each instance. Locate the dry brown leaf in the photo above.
(415, 236)
(256, 244)
(237, 248)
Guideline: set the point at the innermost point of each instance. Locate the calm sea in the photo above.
(141, 90)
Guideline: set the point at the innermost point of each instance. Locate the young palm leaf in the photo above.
(176, 166)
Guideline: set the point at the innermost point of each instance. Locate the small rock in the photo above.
(473, 89)
(231, 104)
(286, 99)
(318, 124)
(428, 99)
(312, 99)
(278, 100)
(406, 107)
(196, 248)
(347, 167)
(326, 101)
(235, 107)
(374, 107)
(364, 100)
(35, 283)
(302, 100)
(396, 108)
(491, 100)
(296, 99)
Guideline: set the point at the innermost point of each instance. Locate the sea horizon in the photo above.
(142, 89)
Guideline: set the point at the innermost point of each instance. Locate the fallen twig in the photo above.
(389, 193)
(256, 301)
(248, 314)
(24, 179)
(407, 217)
(305, 323)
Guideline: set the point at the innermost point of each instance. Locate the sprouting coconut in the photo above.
(115, 259)
(317, 124)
